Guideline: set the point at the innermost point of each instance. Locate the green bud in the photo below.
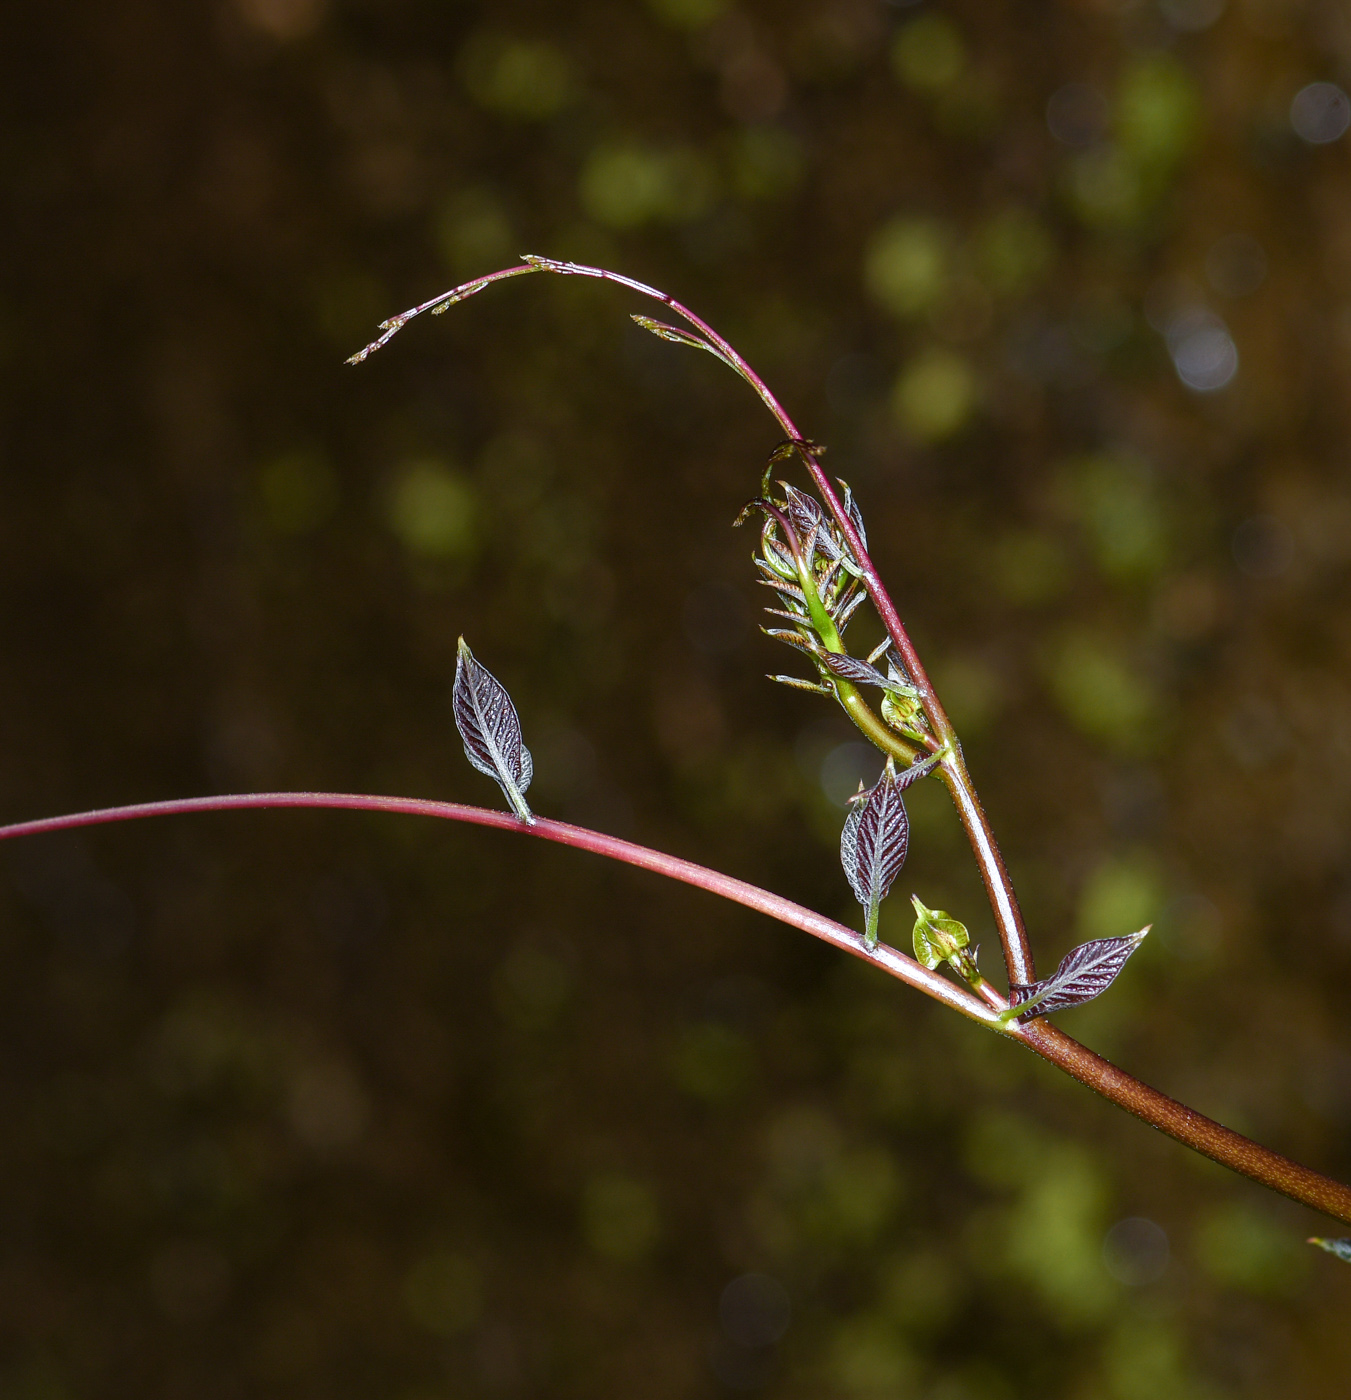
(900, 711)
(938, 936)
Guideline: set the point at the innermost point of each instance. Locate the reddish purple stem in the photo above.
(739, 891)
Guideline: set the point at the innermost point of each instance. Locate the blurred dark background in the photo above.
(315, 1104)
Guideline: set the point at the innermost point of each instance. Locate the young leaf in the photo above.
(794, 639)
(1341, 1248)
(1084, 973)
(802, 510)
(798, 684)
(848, 610)
(678, 337)
(789, 447)
(852, 511)
(491, 730)
(873, 845)
(850, 668)
(919, 770)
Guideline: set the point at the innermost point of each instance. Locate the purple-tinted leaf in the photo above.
(778, 558)
(1341, 1248)
(791, 447)
(850, 668)
(793, 639)
(849, 850)
(1084, 973)
(797, 683)
(852, 511)
(828, 580)
(898, 678)
(491, 730)
(749, 509)
(875, 840)
(773, 579)
(919, 770)
(802, 509)
(848, 610)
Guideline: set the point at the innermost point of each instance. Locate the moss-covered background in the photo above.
(318, 1105)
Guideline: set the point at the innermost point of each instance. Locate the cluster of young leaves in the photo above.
(805, 559)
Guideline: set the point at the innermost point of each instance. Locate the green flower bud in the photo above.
(938, 936)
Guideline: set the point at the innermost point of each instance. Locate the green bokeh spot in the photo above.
(928, 55)
(1107, 190)
(1118, 505)
(474, 233)
(1158, 112)
(299, 492)
(713, 1062)
(620, 1218)
(1145, 1359)
(1240, 1246)
(1030, 567)
(973, 692)
(627, 184)
(443, 1292)
(687, 14)
(906, 265)
(434, 511)
(871, 1360)
(1121, 896)
(1100, 693)
(935, 395)
(528, 80)
(1014, 250)
(766, 162)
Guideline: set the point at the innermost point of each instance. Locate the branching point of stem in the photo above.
(1215, 1141)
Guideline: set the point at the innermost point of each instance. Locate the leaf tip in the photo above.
(1339, 1249)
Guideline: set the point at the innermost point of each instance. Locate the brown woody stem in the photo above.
(1201, 1134)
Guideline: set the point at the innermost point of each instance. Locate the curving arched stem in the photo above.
(1219, 1143)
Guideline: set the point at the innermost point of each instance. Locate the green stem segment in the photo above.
(876, 730)
(870, 922)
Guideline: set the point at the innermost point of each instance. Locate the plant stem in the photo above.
(739, 891)
(1202, 1134)
(1209, 1138)
(1220, 1144)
